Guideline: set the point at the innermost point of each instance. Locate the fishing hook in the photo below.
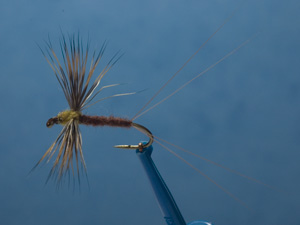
(140, 146)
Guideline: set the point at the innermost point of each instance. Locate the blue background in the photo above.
(244, 113)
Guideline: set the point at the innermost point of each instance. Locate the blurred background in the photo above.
(243, 114)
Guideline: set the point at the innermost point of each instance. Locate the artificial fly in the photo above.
(74, 80)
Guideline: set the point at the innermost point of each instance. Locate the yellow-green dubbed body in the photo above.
(64, 117)
(67, 115)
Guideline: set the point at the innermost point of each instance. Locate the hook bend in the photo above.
(140, 146)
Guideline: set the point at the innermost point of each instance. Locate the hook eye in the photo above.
(140, 146)
(52, 121)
